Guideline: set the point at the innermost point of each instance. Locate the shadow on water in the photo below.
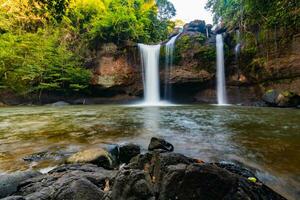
(264, 139)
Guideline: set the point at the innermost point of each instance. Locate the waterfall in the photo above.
(237, 47)
(170, 47)
(150, 66)
(221, 87)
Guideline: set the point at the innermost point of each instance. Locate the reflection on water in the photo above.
(265, 139)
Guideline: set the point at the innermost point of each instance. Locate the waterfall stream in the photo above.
(221, 83)
(150, 66)
(170, 48)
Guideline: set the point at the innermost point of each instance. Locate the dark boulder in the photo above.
(14, 198)
(195, 26)
(160, 144)
(132, 185)
(76, 181)
(154, 175)
(77, 189)
(196, 181)
(281, 99)
(10, 182)
(127, 152)
(44, 155)
(220, 29)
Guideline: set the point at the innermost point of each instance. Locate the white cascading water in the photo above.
(237, 47)
(170, 47)
(221, 87)
(150, 66)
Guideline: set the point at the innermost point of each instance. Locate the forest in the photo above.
(45, 45)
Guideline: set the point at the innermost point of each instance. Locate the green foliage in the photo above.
(37, 62)
(44, 44)
(166, 10)
(128, 20)
(262, 13)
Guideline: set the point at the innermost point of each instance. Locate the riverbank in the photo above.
(156, 174)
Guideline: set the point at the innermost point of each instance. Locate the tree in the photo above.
(166, 10)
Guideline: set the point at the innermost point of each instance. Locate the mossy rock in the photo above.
(99, 157)
(281, 99)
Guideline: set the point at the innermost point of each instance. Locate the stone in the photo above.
(127, 152)
(44, 155)
(196, 26)
(78, 189)
(99, 157)
(10, 182)
(14, 198)
(132, 185)
(196, 181)
(160, 144)
(281, 99)
(73, 181)
(154, 175)
(2, 104)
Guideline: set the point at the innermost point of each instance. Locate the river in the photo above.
(266, 140)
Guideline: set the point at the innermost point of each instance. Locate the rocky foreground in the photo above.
(123, 173)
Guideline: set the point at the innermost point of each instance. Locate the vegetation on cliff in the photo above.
(267, 29)
(45, 45)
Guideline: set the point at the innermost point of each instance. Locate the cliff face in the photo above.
(192, 78)
(118, 71)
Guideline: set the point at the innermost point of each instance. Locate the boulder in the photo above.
(220, 28)
(196, 26)
(154, 175)
(127, 152)
(77, 189)
(281, 99)
(2, 104)
(14, 198)
(196, 181)
(160, 144)
(99, 157)
(134, 185)
(10, 182)
(74, 181)
(44, 155)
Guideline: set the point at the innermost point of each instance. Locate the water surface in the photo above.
(266, 140)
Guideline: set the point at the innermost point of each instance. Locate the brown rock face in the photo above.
(117, 71)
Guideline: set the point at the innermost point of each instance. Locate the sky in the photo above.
(189, 10)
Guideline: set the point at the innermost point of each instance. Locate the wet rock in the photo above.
(113, 150)
(75, 181)
(154, 175)
(127, 152)
(80, 189)
(160, 144)
(196, 181)
(14, 198)
(44, 155)
(281, 99)
(132, 184)
(10, 182)
(236, 169)
(60, 103)
(99, 157)
(220, 29)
